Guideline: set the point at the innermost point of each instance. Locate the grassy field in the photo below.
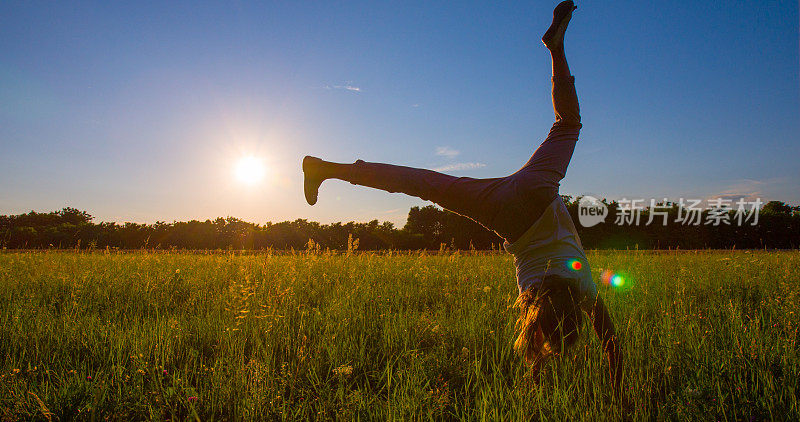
(706, 335)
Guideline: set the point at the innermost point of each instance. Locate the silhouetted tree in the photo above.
(427, 227)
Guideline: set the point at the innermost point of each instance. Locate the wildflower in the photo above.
(192, 398)
(343, 370)
(486, 289)
(89, 377)
(164, 372)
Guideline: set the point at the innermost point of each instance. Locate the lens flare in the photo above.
(575, 265)
(610, 278)
(605, 276)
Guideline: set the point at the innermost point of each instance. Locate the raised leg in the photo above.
(478, 199)
(551, 159)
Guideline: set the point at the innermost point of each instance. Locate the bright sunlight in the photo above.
(250, 170)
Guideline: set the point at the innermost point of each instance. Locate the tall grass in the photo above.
(706, 335)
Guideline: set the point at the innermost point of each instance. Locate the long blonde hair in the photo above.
(550, 318)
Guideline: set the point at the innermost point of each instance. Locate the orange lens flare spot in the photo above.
(610, 278)
(575, 265)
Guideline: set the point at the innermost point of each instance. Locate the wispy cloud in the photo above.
(460, 166)
(447, 152)
(348, 86)
(747, 189)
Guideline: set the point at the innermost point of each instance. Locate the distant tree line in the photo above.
(426, 228)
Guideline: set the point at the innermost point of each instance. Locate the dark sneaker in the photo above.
(554, 37)
(311, 179)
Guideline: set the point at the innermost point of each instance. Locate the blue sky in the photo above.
(139, 112)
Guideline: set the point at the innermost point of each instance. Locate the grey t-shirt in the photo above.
(550, 246)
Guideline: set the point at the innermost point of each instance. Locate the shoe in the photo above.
(554, 37)
(311, 179)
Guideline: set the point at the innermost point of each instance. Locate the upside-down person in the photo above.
(525, 209)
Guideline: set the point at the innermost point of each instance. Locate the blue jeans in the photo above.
(507, 205)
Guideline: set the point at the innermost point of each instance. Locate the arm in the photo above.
(604, 327)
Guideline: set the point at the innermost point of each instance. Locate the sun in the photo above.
(250, 170)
